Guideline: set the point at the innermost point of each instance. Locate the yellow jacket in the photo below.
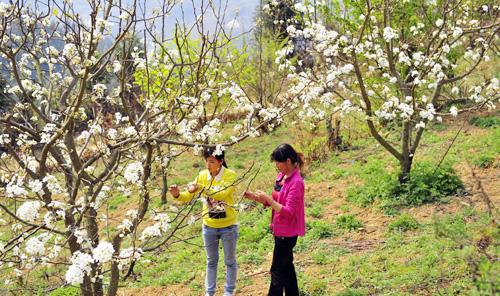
(217, 195)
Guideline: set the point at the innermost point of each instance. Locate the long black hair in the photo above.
(285, 151)
(209, 151)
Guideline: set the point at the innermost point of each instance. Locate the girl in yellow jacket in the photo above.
(215, 186)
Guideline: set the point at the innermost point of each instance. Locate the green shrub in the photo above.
(348, 222)
(404, 223)
(427, 184)
(485, 122)
(314, 148)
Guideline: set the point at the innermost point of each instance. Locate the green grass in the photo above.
(419, 264)
(486, 122)
(348, 222)
(404, 223)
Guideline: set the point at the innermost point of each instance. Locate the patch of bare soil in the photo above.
(172, 290)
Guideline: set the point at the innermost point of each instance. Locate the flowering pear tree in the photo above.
(101, 103)
(402, 64)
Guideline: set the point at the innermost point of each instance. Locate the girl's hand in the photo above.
(192, 188)
(264, 198)
(174, 190)
(250, 195)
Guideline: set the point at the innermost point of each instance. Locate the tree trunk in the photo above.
(333, 132)
(86, 286)
(165, 186)
(164, 182)
(406, 163)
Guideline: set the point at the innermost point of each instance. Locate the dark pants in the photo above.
(283, 275)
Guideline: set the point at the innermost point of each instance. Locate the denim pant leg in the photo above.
(211, 241)
(229, 239)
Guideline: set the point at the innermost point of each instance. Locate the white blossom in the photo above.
(389, 34)
(103, 252)
(420, 125)
(218, 150)
(117, 67)
(28, 211)
(52, 184)
(81, 265)
(4, 8)
(99, 89)
(457, 31)
(35, 246)
(15, 187)
(454, 111)
(133, 172)
(130, 131)
(151, 231)
(233, 24)
(36, 186)
(112, 134)
(4, 139)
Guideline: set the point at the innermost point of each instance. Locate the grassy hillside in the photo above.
(362, 238)
(355, 246)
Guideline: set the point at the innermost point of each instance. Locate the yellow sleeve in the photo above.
(186, 196)
(225, 191)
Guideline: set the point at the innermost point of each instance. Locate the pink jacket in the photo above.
(290, 221)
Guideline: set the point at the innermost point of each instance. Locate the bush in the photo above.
(485, 122)
(404, 223)
(348, 222)
(426, 184)
(314, 148)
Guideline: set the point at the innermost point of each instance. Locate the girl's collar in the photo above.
(218, 177)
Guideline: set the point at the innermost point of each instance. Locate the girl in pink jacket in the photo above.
(288, 218)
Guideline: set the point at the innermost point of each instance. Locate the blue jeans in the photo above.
(211, 238)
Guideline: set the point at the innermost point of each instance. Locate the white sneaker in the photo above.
(228, 294)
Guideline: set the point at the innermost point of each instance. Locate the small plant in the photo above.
(484, 161)
(320, 229)
(316, 211)
(66, 291)
(351, 292)
(486, 122)
(348, 222)
(404, 223)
